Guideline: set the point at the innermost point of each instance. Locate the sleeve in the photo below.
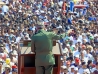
(92, 70)
(57, 37)
(32, 45)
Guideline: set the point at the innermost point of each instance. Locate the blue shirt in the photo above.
(74, 65)
(92, 18)
(69, 21)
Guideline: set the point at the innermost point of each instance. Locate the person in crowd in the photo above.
(18, 22)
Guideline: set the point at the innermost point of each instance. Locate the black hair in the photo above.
(96, 63)
(89, 61)
(83, 63)
(40, 27)
(8, 69)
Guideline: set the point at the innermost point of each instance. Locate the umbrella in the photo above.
(1, 3)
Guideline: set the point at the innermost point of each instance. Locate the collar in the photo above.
(41, 30)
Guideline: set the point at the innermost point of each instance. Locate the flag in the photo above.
(71, 6)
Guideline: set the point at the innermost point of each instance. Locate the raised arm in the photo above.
(54, 36)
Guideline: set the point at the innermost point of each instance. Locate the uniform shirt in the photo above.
(42, 45)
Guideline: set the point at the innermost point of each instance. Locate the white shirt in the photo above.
(93, 70)
(76, 53)
(81, 70)
(5, 8)
(89, 56)
(84, 52)
(85, 59)
(34, 28)
(7, 47)
(74, 42)
(70, 73)
(18, 39)
(62, 73)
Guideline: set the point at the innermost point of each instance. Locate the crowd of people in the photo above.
(80, 46)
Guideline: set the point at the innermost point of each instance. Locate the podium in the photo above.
(26, 61)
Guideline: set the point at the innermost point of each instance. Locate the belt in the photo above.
(43, 52)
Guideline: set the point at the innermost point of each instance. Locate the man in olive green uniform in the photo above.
(42, 46)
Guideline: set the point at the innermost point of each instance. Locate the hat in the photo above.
(64, 67)
(13, 45)
(7, 66)
(85, 40)
(14, 66)
(96, 35)
(68, 45)
(42, 11)
(40, 23)
(65, 50)
(20, 11)
(15, 42)
(77, 60)
(14, 53)
(12, 41)
(91, 37)
(1, 45)
(11, 30)
(88, 33)
(76, 69)
(61, 58)
(2, 3)
(27, 36)
(89, 47)
(1, 60)
(72, 66)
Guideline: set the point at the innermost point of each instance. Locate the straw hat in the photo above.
(7, 66)
(2, 3)
(12, 45)
(1, 45)
(40, 23)
(1, 60)
(14, 53)
(89, 47)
